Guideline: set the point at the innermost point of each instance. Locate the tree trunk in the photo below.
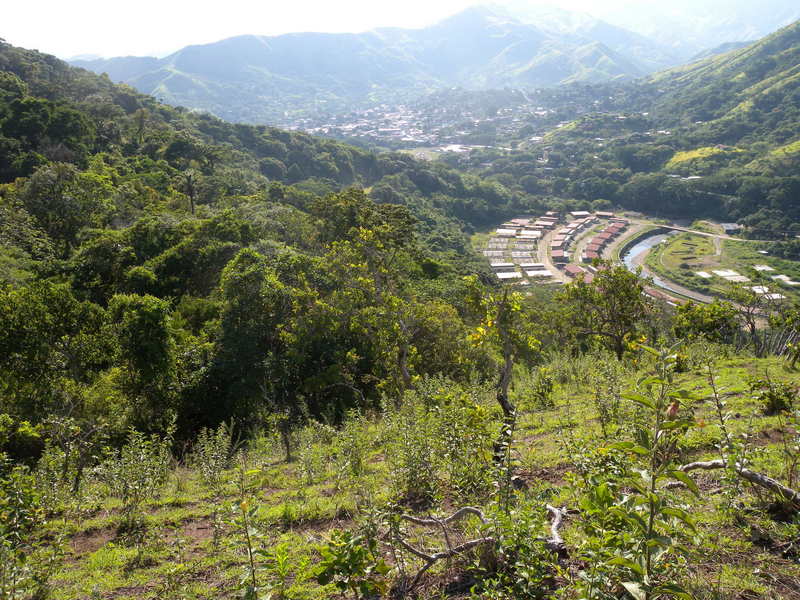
(619, 348)
(402, 366)
(509, 410)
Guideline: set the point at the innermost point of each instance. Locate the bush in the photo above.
(212, 454)
(353, 563)
(774, 397)
(136, 472)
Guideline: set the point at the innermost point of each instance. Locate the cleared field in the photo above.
(686, 258)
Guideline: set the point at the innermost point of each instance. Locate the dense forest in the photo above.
(240, 361)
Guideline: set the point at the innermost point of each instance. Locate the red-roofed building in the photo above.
(589, 256)
(573, 270)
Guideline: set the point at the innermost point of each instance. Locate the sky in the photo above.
(157, 27)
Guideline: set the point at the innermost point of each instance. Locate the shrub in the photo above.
(136, 472)
(774, 397)
(212, 454)
(352, 563)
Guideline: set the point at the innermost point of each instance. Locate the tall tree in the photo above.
(506, 325)
(611, 308)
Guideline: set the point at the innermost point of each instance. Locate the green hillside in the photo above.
(750, 94)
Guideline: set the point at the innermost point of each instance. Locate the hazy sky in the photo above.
(146, 27)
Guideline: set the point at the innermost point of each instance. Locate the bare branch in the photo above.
(431, 559)
(759, 479)
(457, 516)
(554, 543)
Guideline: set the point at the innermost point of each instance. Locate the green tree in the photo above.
(611, 308)
(146, 349)
(64, 201)
(506, 325)
(717, 321)
(49, 343)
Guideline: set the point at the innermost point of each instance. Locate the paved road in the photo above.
(583, 241)
(544, 257)
(719, 236)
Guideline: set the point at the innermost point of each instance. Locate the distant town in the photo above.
(457, 120)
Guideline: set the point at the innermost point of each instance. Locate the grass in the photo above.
(787, 150)
(178, 558)
(685, 156)
(681, 256)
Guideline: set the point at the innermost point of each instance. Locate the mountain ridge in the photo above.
(260, 79)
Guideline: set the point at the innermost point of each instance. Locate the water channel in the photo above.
(643, 246)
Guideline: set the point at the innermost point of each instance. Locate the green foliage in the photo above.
(520, 566)
(136, 472)
(610, 309)
(542, 388)
(441, 441)
(716, 322)
(351, 562)
(774, 397)
(212, 454)
(634, 528)
(26, 563)
(146, 348)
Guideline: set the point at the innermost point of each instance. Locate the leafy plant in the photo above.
(352, 563)
(521, 566)
(542, 388)
(774, 396)
(136, 472)
(212, 455)
(26, 563)
(634, 528)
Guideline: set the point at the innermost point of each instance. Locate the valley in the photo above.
(500, 307)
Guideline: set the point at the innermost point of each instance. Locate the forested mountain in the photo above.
(718, 138)
(268, 79)
(750, 91)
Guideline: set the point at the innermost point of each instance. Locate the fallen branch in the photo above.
(758, 479)
(457, 516)
(431, 559)
(554, 543)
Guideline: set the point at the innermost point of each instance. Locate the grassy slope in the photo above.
(180, 558)
(699, 253)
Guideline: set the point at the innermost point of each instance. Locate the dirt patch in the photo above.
(553, 475)
(92, 540)
(767, 437)
(131, 590)
(197, 530)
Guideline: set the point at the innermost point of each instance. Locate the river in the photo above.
(635, 256)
